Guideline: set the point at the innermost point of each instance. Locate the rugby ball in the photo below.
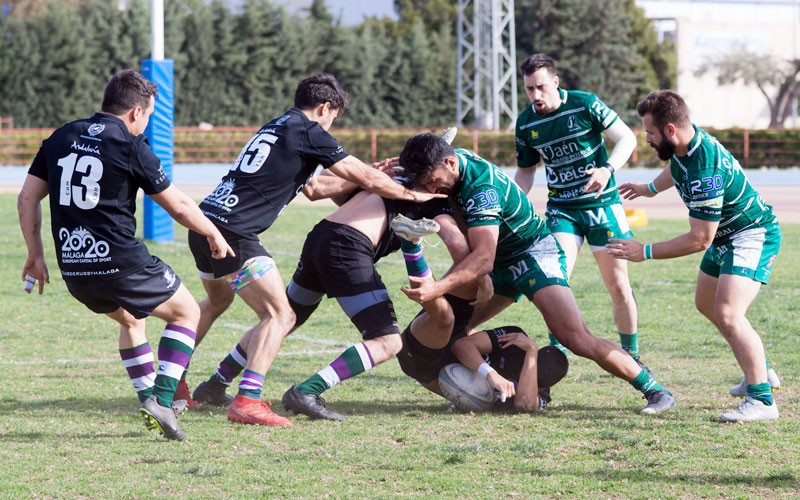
(466, 389)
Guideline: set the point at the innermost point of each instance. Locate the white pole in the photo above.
(157, 23)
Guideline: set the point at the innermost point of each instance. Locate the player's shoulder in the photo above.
(526, 116)
(581, 96)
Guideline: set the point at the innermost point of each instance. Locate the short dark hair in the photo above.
(126, 90)
(664, 106)
(422, 154)
(534, 63)
(319, 89)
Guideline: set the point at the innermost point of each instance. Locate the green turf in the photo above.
(69, 425)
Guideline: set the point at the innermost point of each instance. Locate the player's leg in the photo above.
(733, 298)
(135, 352)
(623, 304)
(349, 275)
(260, 286)
(569, 237)
(563, 317)
(599, 225)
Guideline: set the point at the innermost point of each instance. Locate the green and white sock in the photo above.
(354, 360)
(630, 343)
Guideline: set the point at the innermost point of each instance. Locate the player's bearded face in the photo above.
(664, 148)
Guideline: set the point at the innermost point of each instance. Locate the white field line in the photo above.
(338, 347)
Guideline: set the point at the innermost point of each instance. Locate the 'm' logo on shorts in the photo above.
(518, 269)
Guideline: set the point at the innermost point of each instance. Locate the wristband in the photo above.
(652, 188)
(484, 370)
(610, 167)
(648, 252)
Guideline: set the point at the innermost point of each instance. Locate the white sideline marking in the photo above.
(97, 361)
(339, 346)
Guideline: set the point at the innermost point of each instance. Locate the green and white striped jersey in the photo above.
(714, 187)
(487, 196)
(569, 140)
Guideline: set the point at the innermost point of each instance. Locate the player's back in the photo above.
(94, 168)
(270, 171)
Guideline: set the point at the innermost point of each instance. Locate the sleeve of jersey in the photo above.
(147, 169)
(707, 192)
(601, 115)
(38, 167)
(527, 156)
(323, 148)
(480, 206)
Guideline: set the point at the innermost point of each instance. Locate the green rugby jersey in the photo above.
(569, 140)
(487, 196)
(714, 187)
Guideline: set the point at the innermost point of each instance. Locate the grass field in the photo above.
(69, 425)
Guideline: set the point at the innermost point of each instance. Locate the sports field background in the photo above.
(69, 425)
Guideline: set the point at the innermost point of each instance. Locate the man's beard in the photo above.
(664, 149)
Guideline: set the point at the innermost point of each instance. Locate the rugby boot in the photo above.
(740, 390)
(161, 418)
(657, 402)
(182, 393)
(751, 410)
(449, 134)
(253, 411)
(413, 230)
(213, 393)
(308, 404)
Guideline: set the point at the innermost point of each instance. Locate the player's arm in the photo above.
(524, 177)
(470, 352)
(633, 190)
(479, 262)
(376, 181)
(527, 390)
(700, 236)
(528, 159)
(186, 213)
(328, 185)
(29, 209)
(624, 143)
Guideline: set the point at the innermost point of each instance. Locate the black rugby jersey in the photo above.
(93, 168)
(273, 167)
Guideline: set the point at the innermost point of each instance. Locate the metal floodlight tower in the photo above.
(487, 64)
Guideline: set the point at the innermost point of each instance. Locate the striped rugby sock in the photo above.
(138, 362)
(231, 366)
(251, 385)
(416, 265)
(354, 360)
(174, 351)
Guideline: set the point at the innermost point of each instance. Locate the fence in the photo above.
(753, 148)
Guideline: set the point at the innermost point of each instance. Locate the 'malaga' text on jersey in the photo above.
(93, 168)
(569, 140)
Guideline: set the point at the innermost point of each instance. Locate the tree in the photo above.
(604, 47)
(776, 79)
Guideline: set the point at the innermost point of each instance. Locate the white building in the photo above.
(703, 28)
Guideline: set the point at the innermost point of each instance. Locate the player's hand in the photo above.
(633, 190)
(388, 165)
(503, 387)
(35, 268)
(625, 249)
(518, 339)
(219, 247)
(422, 196)
(425, 292)
(598, 180)
(484, 293)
